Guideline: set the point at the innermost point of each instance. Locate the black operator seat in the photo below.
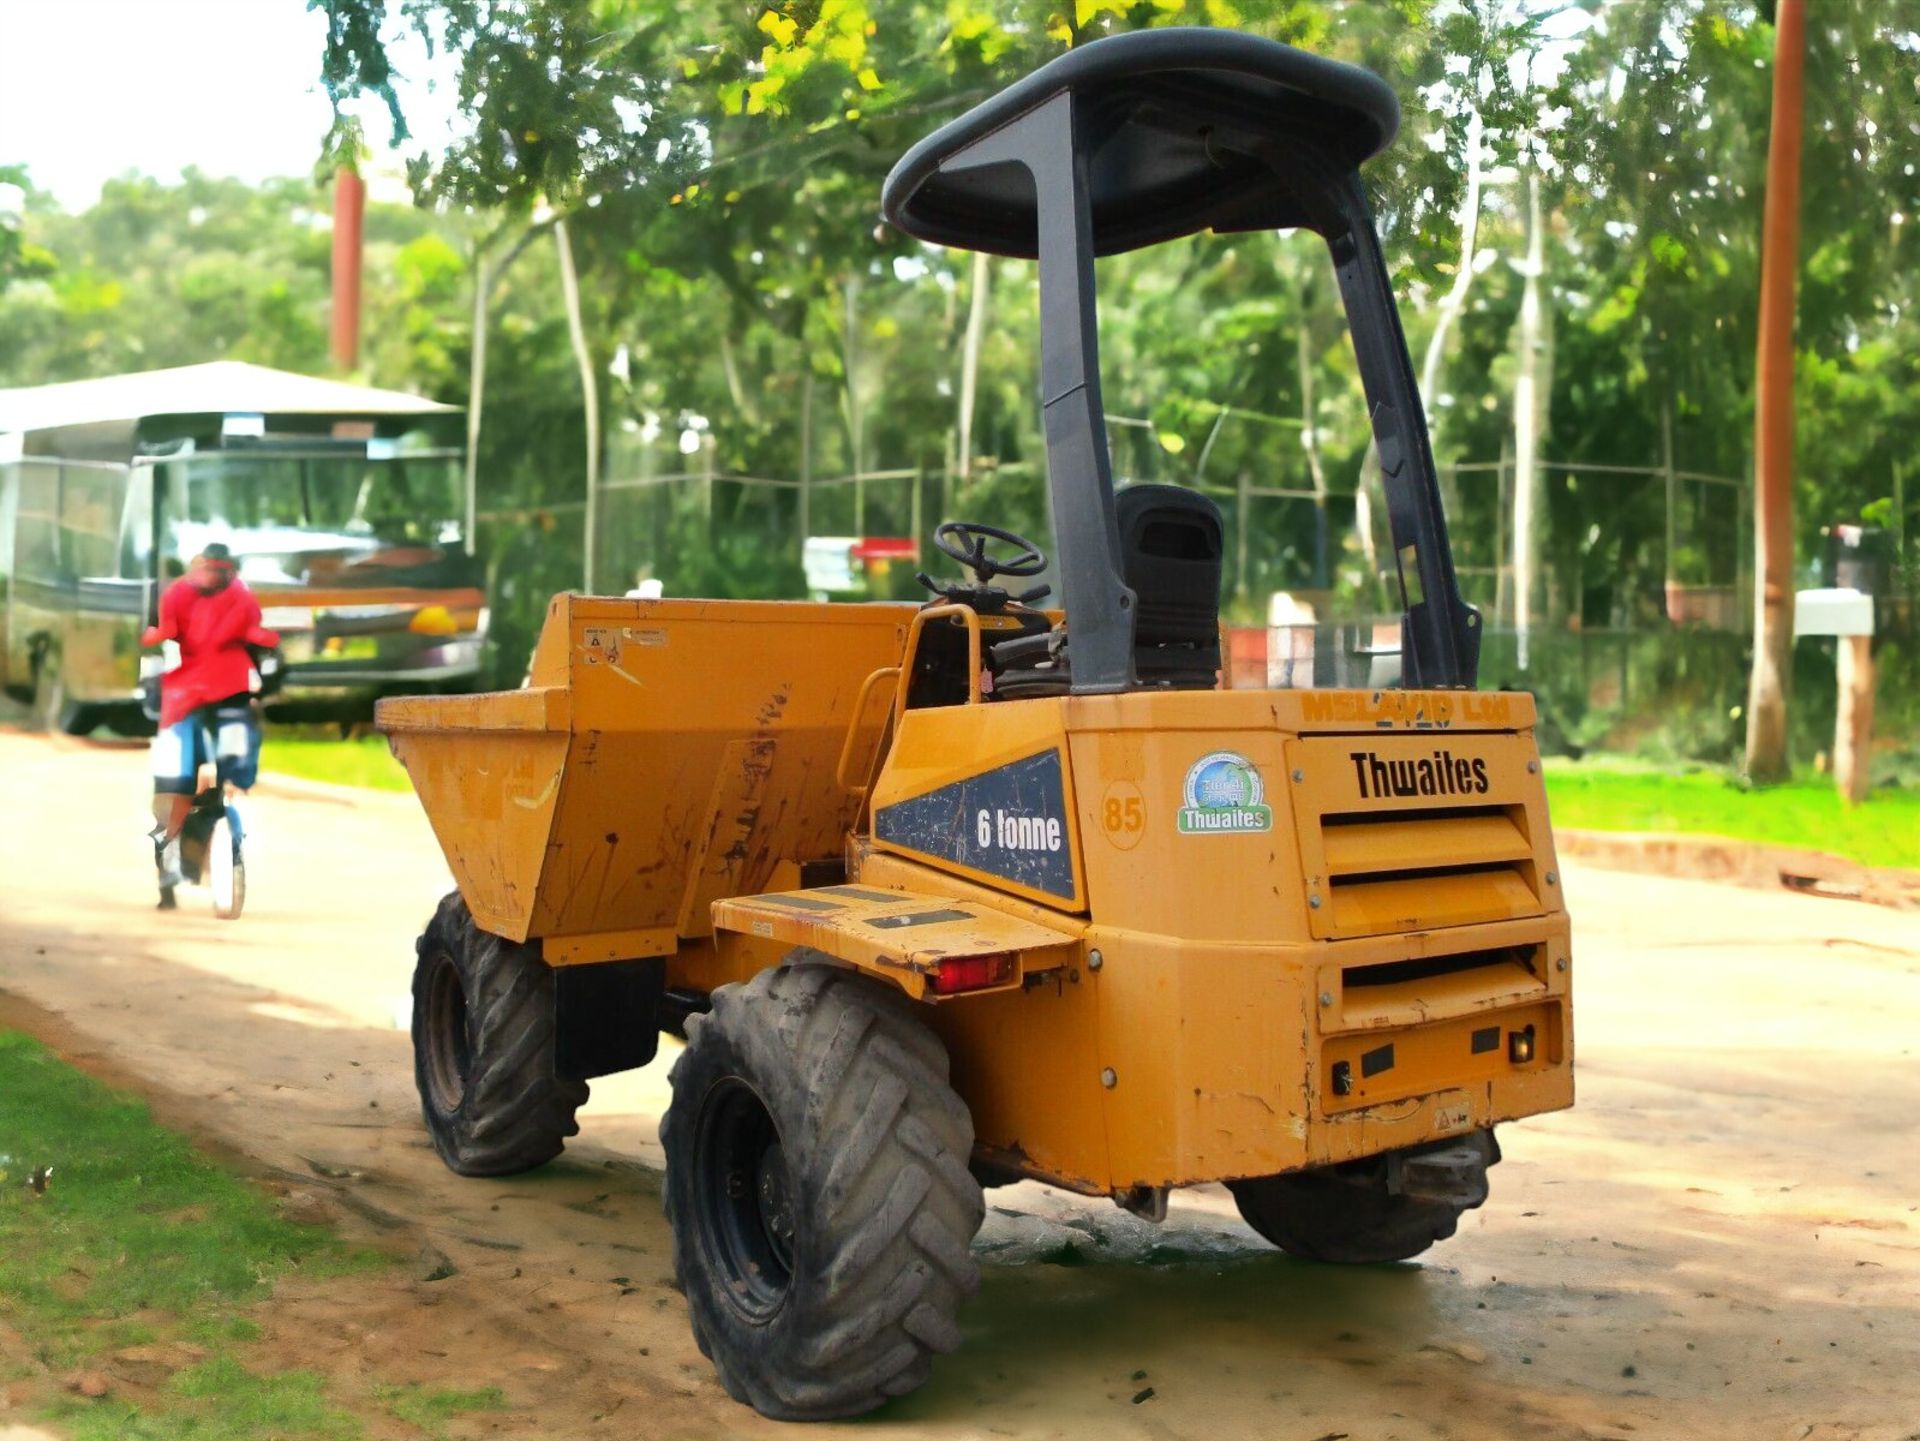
(1171, 542)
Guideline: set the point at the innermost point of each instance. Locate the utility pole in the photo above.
(349, 206)
(1773, 408)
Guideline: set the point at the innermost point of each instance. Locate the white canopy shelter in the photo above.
(221, 387)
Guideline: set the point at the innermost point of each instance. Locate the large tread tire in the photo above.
(1345, 1215)
(50, 708)
(879, 1208)
(483, 1049)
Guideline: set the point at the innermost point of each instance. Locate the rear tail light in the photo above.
(972, 973)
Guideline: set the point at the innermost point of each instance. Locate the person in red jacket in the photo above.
(206, 701)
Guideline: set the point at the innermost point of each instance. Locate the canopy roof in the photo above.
(221, 387)
(1182, 129)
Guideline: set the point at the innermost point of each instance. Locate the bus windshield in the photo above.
(296, 519)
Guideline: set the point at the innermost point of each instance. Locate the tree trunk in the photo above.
(806, 455)
(485, 277)
(1310, 434)
(1243, 523)
(1455, 300)
(970, 358)
(1502, 524)
(1773, 410)
(1368, 493)
(476, 391)
(590, 398)
(1672, 482)
(850, 362)
(742, 398)
(1528, 411)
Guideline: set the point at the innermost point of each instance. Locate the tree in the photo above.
(19, 258)
(157, 274)
(1773, 410)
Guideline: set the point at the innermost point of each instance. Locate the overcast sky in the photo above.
(90, 89)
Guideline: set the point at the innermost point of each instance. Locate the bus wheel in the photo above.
(49, 689)
(128, 721)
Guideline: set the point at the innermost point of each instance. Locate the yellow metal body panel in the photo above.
(1243, 894)
(1224, 995)
(931, 748)
(666, 753)
(487, 768)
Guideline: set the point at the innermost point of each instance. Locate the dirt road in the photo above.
(1722, 1240)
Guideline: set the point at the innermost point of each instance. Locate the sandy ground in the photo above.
(1721, 1240)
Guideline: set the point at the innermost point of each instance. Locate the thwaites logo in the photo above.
(1441, 774)
(1224, 796)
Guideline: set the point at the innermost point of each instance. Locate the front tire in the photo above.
(483, 1049)
(818, 1191)
(226, 871)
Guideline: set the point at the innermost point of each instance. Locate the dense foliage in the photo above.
(747, 314)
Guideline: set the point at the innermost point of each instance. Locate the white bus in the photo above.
(342, 505)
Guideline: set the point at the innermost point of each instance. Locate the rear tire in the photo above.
(1346, 1214)
(818, 1191)
(483, 1049)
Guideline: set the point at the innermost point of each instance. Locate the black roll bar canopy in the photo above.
(1147, 137)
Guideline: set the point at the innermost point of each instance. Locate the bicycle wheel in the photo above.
(226, 870)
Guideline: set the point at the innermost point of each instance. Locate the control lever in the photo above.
(1033, 593)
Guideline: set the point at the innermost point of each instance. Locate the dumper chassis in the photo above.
(946, 897)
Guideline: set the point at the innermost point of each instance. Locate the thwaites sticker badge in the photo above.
(1223, 795)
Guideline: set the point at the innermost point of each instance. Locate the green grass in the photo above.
(219, 1400)
(362, 762)
(431, 1410)
(1611, 795)
(138, 1238)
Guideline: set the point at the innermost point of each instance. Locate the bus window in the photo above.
(37, 522)
(358, 502)
(136, 526)
(90, 506)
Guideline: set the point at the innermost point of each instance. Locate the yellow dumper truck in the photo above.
(945, 897)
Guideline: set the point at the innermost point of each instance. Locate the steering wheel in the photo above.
(966, 542)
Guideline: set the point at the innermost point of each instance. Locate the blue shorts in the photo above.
(227, 734)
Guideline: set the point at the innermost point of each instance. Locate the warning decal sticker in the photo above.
(1009, 822)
